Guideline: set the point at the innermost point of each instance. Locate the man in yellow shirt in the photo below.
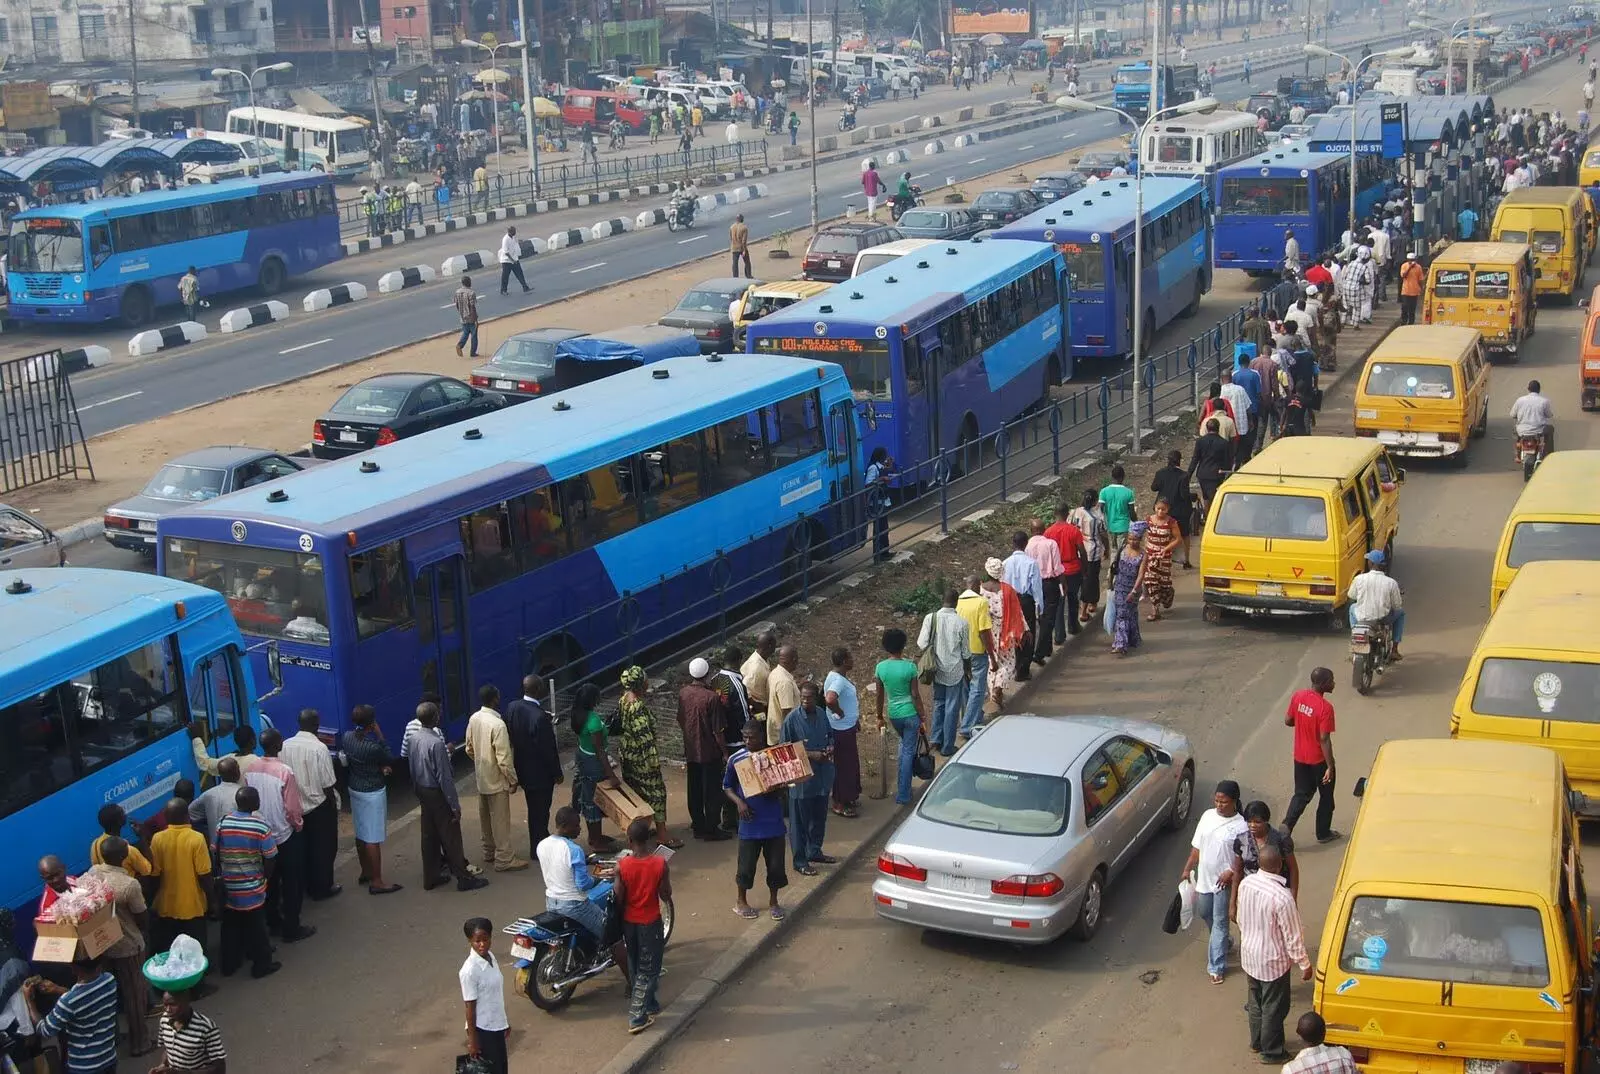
(973, 606)
(112, 820)
(783, 692)
(181, 863)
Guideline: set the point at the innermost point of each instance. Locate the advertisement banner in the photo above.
(985, 17)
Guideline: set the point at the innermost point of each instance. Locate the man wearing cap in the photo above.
(1210, 865)
(701, 719)
(1410, 289)
(1376, 598)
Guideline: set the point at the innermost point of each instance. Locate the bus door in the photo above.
(291, 147)
(216, 699)
(440, 593)
(844, 459)
(932, 349)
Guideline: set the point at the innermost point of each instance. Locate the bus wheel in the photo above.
(1052, 372)
(1199, 292)
(559, 659)
(136, 307)
(272, 276)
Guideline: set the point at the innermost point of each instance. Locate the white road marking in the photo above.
(113, 399)
(315, 343)
(977, 160)
(1020, 148)
(924, 175)
(585, 268)
(452, 305)
(681, 242)
(774, 216)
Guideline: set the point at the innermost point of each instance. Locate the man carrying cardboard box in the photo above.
(762, 832)
(84, 1017)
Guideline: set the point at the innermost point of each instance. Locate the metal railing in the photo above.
(1077, 421)
(560, 179)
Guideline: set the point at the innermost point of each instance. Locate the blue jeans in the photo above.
(977, 692)
(947, 702)
(1397, 624)
(590, 915)
(1213, 910)
(906, 728)
(468, 331)
(808, 823)
(645, 944)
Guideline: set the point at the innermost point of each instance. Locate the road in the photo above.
(130, 392)
(849, 992)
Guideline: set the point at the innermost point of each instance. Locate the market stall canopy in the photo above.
(493, 74)
(484, 95)
(1033, 46)
(544, 108)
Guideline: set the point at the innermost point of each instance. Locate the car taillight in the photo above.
(117, 522)
(1322, 591)
(1216, 583)
(1227, 255)
(529, 386)
(1095, 341)
(895, 865)
(386, 436)
(713, 333)
(1427, 315)
(1366, 432)
(1040, 886)
(319, 435)
(478, 382)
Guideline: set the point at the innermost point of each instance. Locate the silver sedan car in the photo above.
(26, 543)
(1020, 832)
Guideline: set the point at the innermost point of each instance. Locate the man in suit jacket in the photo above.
(534, 755)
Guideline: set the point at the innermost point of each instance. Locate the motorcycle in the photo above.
(898, 205)
(847, 121)
(554, 954)
(1530, 452)
(681, 215)
(1371, 653)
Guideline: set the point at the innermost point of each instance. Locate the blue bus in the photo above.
(100, 673)
(622, 513)
(1093, 230)
(941, 346)
(1289, 187)
(119, 259)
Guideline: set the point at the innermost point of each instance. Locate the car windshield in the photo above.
(1433, 940)
(834, 243)
(1533, 542)
(707, 301)
(1412, 380)
(995, 199)
(1050, 182)
(371, 401)
(927, 218)
(174, 481)
(535, 355)
(45, 245)
(993, 800)
(1257, 514)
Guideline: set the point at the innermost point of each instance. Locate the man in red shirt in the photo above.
(1311, 715)
(1318, 274)
(1069, 539)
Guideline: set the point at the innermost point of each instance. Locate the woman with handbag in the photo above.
(900, 700)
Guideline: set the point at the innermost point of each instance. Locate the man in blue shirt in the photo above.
(1250, 381)
(808, 801)
(1467, 222)
(761, 829)
(1022, 574)
(85, 1018)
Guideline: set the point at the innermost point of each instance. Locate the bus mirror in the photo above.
(274, 665)
(1360, 789)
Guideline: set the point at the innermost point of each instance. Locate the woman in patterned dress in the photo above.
(1127, 575)
(1005, 611)
(641, 760)
(1162, 537)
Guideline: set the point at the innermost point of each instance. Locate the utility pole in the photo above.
(833, 79)
(1077, 30)
(529, 36)
(811, 105)
(133, 56)
(1472, 44)
(716, 37)
(382, 169)
(1308, 40)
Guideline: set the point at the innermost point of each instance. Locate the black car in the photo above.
(831, 256)
(393, 406)
(524, 365)
(705, 311)
(1051, 186)
(1001, 206)
(925, 223)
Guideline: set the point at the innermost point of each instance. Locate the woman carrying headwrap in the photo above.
(1005, 609)
(1127, 580)
(641, 760)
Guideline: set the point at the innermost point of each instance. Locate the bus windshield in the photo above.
(272, 593)
(354, 141)
(1265, 197)
(1086, 264)
(45, 245)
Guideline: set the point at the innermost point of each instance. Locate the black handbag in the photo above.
(466, 1064)
(1174, 916)
(922, 764)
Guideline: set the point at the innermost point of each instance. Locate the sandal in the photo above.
(805, 870)
(749, 913)
(673, 844)
(390, 890)
(847, 812)
(778, 913)
(1153, 617)
(1216, 978)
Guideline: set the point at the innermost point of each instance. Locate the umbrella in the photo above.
(544, 108)
(911, 43)
(992, 40)
(1033, 46)
(484, 95)
(494, 74)
(938, 54)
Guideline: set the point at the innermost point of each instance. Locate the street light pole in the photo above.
(1079, 104)
(250, 83)
(1355, 80)
(527, 97)
(494, 94)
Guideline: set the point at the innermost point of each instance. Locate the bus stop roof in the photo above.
(57, 163)
(1426, 127)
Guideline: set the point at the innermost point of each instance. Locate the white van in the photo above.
(255, 158)
(715, 101)
(668, 97)
(882, 254)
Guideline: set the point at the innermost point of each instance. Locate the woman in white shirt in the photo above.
(483, 990)
(1211, 864)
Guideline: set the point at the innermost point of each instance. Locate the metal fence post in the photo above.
(941, 474)
(1002, 448)
(1194, 375)
(1150, 399)
(1105, 414)
(1055, 438)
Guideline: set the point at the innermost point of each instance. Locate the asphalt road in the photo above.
(849, 992)
(129, 392)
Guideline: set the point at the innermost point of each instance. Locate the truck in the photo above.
(1309, 93)
(1179, 84)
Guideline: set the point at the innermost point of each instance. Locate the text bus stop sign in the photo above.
(1392, 119)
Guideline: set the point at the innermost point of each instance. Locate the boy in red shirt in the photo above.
(642, 882)
(1311, 715)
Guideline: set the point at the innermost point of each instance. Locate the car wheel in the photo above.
(1089, 913)
(1182, 801)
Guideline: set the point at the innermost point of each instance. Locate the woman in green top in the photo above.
(898, 693)
(594, 767)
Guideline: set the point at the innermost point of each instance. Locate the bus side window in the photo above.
(601, 503)
(486, 536)
(100, 243)
(35, 759)
(126, 703)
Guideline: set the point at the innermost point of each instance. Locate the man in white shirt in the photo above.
(413, 201)
(1211, 863)
(308, 757)
(1534, 417)
(1376, 598)
(511, 261)
(1021, 573)
(1239, 400)
(947, 634)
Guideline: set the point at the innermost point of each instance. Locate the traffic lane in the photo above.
(187, 376)
(848, 986)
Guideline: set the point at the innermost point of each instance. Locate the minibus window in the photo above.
(1494, 283)
(1251, 514)
(1594, 333)
(1450, 283)
(1547, 242)
(1411, 380)
(1538, 690)
(1433, 940)
(1532, 542)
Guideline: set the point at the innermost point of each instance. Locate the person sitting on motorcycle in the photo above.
(567, 881)
(1534, 417)
(905, 194)
(1375, 598)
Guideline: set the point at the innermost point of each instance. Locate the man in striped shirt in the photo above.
(85, 1017)
(1271, 944)
(246, 853)
(190, 1042)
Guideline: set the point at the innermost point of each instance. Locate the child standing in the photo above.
(642, 882)
(762, 831)
(484, 991)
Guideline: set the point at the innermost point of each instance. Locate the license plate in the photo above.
(991, 216)
(348, 437)
(1591, 363)
(833, 264)
(505, 385)
(1481, 1066)
(1361, 646)
(965, 885)
(1269, 589)
(147, 525)
(1406, 438)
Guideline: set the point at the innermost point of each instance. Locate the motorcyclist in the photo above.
(568, 881)
(1534, 417)
(682, 203)
(1375, 598)
(847, 118)
(905, 195)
